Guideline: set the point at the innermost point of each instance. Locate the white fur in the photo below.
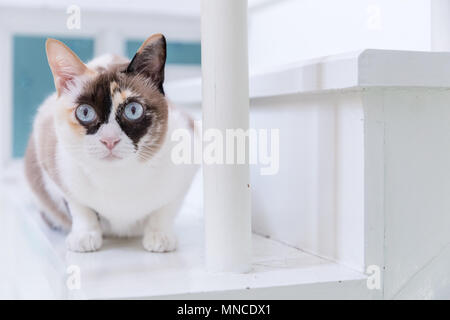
(125, 192)
(131, 196)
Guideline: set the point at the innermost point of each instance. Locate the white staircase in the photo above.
(363, 181)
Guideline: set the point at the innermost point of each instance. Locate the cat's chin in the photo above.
(111, 158)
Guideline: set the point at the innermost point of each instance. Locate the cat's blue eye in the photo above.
(133, 111)
(85, 113)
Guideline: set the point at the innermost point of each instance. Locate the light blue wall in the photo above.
(33, 81)
(187, 53)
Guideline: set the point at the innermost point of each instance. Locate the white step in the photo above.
(37, 263)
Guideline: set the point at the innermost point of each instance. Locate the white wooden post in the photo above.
(226, 106)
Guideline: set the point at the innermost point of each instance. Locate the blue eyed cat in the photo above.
(98, 160)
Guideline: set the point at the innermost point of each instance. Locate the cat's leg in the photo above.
(86, 234)
(159, 235)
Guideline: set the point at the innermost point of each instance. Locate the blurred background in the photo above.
(281, 32)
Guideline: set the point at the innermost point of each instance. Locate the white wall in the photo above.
(182, 8)
(440, 25)
(417, 184)
(315, 202)
(285, 31)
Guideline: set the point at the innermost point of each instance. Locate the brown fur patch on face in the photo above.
(118, 95)
(111, 91)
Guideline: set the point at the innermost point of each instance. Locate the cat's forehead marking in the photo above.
(119, 95)
(113, 87)
(116, 95)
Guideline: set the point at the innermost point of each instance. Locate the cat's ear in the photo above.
(64, 63)
(150, 59)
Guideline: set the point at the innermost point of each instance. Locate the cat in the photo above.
(99, 157)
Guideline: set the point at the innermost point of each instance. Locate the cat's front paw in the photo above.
(158, 241)
(84, 241)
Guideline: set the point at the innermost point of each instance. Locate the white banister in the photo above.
(226, 106)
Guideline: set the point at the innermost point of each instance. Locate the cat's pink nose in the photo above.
(110, 143)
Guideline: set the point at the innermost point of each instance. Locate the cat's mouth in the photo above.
(111, 157)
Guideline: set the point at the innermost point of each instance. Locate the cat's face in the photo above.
(111, 112)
